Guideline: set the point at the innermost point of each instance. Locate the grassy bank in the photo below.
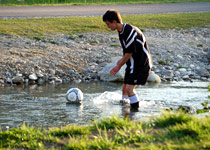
(169, 131)
(89, 2)
(40, 27)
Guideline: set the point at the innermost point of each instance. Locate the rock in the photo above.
(77, 81)
(18, 80)
(208, 54)
(75, 53)
(154, 77)
(39, 73)
(1, 81)
(58, 80)
(33, 77)
(187, 109)
(186, 77)
(41, 81)
(26, 81)
(19, 75)
(9, 81)
(71, 71)
(168, 74)
(52, 82)
(52, 72)
(182, 70)
(104, 74)
(8, 74)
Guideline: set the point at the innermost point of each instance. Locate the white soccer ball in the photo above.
(74, 95)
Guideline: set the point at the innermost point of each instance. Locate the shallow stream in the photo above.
(46, 105)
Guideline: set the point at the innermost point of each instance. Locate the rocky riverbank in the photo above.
(177, 55)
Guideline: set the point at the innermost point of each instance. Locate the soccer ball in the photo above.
(74, 95)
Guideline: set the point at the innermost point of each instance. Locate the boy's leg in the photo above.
(125, 98)
(124, 92)
(134, 99)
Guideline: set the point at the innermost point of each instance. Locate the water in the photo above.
(46, 106)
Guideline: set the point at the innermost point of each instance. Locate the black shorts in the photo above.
(138, 77)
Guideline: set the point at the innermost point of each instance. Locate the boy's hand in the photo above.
(115, 70)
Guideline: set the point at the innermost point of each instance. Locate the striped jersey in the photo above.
(133, 41)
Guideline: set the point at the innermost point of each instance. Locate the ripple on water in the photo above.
(46, 106)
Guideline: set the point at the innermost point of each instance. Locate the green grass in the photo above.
(39, 28)
(89, 2)
(169, 131)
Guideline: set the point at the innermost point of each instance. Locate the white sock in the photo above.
(134, 99)
(124, 96)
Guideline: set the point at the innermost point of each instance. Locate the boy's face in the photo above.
(111, 25)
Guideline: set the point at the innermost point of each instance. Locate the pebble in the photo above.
(79, 58)
(33, 77)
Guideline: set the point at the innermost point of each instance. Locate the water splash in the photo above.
(107, 97)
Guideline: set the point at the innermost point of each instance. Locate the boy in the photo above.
(136, 56)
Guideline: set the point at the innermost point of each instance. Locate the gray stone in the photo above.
(185, 77)
(208, 54)
(154, 78)
(104, 74)
(39, 73)
(33, 77)
(41, 81)
(182, 70)
(71, 71)
(8, 74)
(52, 72)
(168, 74)
(58, 80)
(17, 80)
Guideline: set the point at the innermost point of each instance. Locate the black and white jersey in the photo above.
(133, 41)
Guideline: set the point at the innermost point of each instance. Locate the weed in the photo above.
(169, 131)
(25, 136)
(161, 62)
(68, 131)
(180, 66)
(171, 118)
(111, 123)
(114, 45)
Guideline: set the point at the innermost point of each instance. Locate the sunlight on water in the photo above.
(46, 105)
(107, 97)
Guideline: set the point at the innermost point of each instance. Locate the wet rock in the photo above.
(8, 74)
(41, 80)
(52, 72)
(168, 74)
(187, 109)
(2, 82)
(18, 80)
(186, 77)
(33, 77)
(71, 71)
(58, 80)
(154, 78)
(79, 57)
(104, 74)
(208, 54)
(39, 74)
(183, 71)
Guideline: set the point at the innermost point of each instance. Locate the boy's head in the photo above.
(112, 15)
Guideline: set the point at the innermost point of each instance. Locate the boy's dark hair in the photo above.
(112, 15)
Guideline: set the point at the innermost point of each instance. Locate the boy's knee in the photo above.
(124, 91)
(129, 90)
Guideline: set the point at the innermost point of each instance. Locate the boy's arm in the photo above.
(120, 63)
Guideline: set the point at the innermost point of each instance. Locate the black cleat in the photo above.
(135, 106)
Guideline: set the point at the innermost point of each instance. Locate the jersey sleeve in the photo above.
(129, 39)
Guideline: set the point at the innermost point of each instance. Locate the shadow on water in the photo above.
(46, 106)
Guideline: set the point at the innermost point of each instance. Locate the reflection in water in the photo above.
(46, 105)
